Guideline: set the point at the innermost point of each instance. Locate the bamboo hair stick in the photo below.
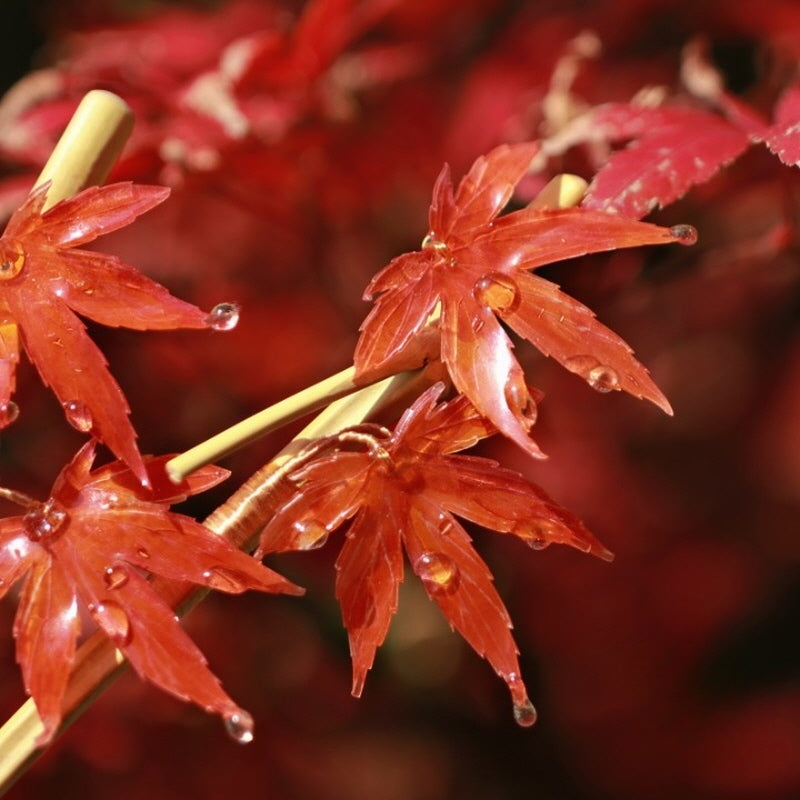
(89, 146)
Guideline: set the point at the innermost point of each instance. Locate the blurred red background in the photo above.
(672, 672)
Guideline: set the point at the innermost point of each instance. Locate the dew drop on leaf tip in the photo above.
(223, 317)
(9, 411)
(685, 234)
(525, 714)
(240, 726)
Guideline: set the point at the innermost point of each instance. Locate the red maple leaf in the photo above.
(91, 541)
(46, 279)
(474, 265)
(670, 149)
(404, 491)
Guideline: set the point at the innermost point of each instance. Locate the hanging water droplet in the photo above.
(497, 291)
(223, 580)
(525, 714)
(12, 259)
(78, 415)
(685, 234)
(538, 533)
(240, 726)
(113, 619)
(309, 534)
(44, 521)
(9, 411)
(115, 577)
(603, 379)
(438, 572)
(223, 317)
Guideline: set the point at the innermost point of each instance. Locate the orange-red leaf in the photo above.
(92, 542)
(475, 266)
(402, 492)
(45, 281)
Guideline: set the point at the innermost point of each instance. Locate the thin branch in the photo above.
(276, 416)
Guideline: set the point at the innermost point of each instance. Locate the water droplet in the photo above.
(519, 399)
(223, 317)
(223, 580)
(599, 376)
(525, 714)
(78, 415)
(113, 619)
(602, 378)
(44, 521)
(115, 577)
(12, 259)
(539, 533)
(685, 234)
(438, 572)
(142, 553)
(497, 291)
(309, 534)
(9, 411)
(239, 726)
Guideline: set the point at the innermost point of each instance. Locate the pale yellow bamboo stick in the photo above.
(260, 424)
(562, 191)
(89, 146)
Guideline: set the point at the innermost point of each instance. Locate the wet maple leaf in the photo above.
(474, 266)
(404, 491)
(92, 541)
(46, 279)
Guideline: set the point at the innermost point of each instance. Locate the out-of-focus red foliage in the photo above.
(681, 655)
